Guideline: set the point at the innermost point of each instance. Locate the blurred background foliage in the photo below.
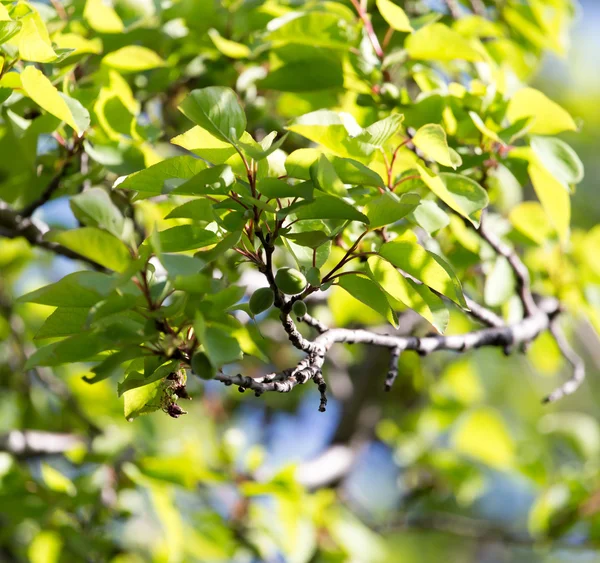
(459, 462)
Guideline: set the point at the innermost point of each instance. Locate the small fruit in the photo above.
(299, 308)
(290, 281)
(261, 300)
(201, 366)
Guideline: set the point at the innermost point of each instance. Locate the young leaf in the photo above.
(554, 199)
(229, 48)
(102, 17)
(394, 15)
(530, 219)
(430, 217)
(437, 42)
(273, 188)
(42, 92)
(133, 58)
(431, 139)
(549, 117)
(218, 110)
(34, 40)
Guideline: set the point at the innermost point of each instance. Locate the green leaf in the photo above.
(267, 146)
(370, 293)
(198, 210)
(80, 289)
(554, 199)
(305, 75)
(142, 400)
(394, 15)
(229, 48)
(334, 131)
(112, 365)
(45, 547)
(482, 435)
(218, 110)
(151, 181)
(548, 117)
(8, 29)
(133, 58)
(64, 321)
(430, 217)
(101, 247)
(325, 207)
(460, 193)
(214, 180)
(207, 146)
(42, 92)
(220, 347)
(499, 283)
(379, 133)
(77, 348)
(484, 129)
(418, 297)
(325, 177)
(135, 380)
(530, 219)
(558, 158)
(186, 237)
(102, 17)
(413, 259)
(389, 208)
(437, 42)
(316, 29)
(34, 40)
(93, 207)
(311, 239)
(56, 481)
(298, 165)
(272, 188)
(431, 139)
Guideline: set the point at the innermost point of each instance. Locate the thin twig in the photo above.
(573, 383)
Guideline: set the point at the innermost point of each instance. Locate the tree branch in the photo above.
(310, 367)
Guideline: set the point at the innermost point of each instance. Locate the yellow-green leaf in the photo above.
(133, 59)
(42, 92)
(80, 44)
(370, 293)
(437, 42)
(229, 48)
(431, 139)
(460, 193)
(34, 41)
(549, 117)
(45, 547)
(530, 219)
(413, 259)
(394, 15)
(554, 198)
(481, 434)
(418, 297)
(102, 17)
